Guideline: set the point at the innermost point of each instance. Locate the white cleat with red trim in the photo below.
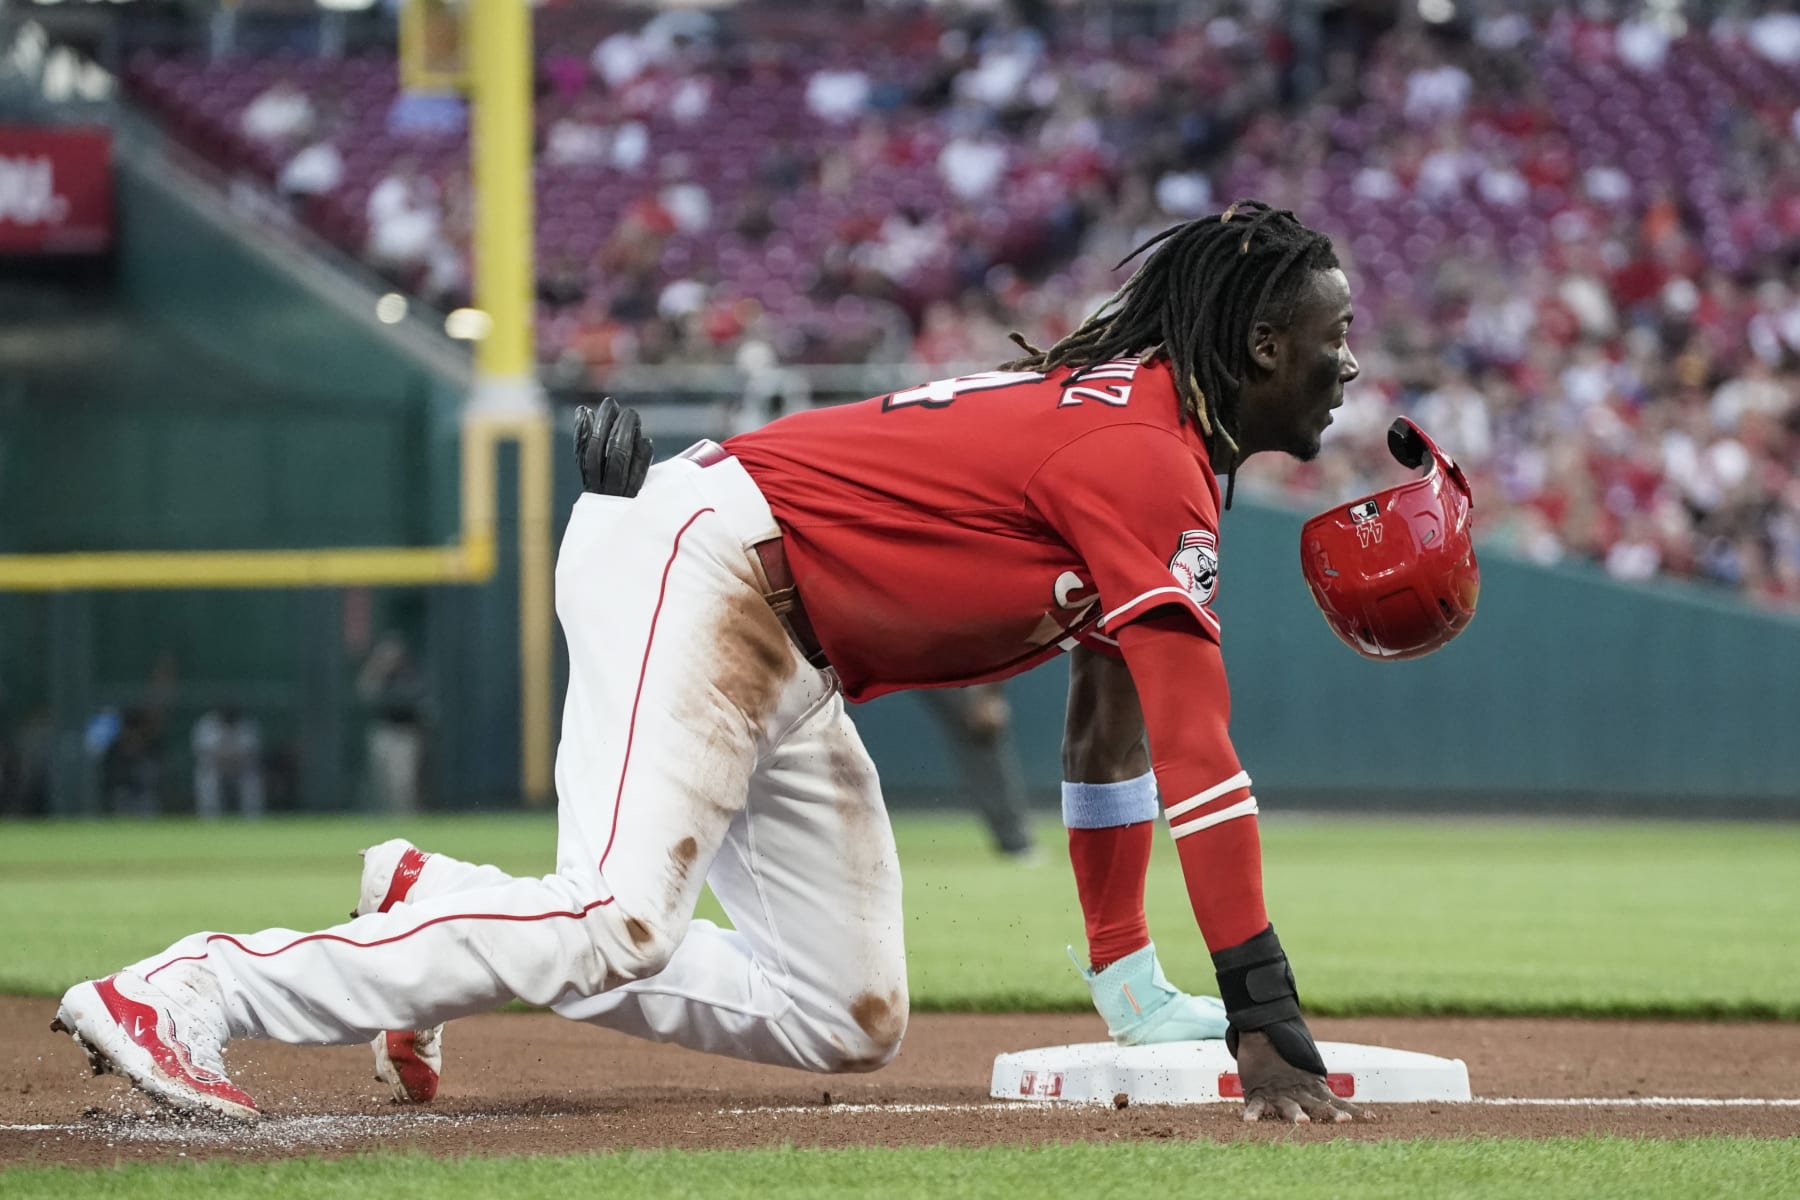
(408, 1061)
(168, 1038)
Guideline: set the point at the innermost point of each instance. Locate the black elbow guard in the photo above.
(1257, 986)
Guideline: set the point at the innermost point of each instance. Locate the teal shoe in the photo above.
(1141, 1007)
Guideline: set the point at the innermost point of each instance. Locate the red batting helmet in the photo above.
(1394, 573)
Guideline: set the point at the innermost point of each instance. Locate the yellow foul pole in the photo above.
(506, 390)
(499, 49)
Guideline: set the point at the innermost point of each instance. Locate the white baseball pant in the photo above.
(697, 746)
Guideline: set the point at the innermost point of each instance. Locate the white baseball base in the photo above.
(1205, 1073)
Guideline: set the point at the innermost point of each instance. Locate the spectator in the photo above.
(1437, 91)
(1776, 36)
(1185, 194)
(1643, 43)
(315, 170)
(908, 240)
(279, 114)
(583, 138)
(1458, 415)
(689, 99)
(394, 692)
(619, 58)
(12, 787)
(1445, 171)
(837, 95)
(1755, 390)
(31, 750)
(1007, 59)
(1635, 556)
(977, 722)
(682, 299)
(944, 338)
(630, 146)
(427, 115)
(227, 750)
(972, 165)
(578, 139)
(687, 202)
(678, 33)
(403, 215)
(131, 762)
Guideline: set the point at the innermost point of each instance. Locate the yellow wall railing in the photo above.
(470, 559)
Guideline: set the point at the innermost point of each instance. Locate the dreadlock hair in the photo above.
(1193, 303)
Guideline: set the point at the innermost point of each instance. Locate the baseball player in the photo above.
(977, 722)
(956, 532)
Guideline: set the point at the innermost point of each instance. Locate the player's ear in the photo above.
(1265, 345)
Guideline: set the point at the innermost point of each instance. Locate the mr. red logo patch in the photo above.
(1195, 564)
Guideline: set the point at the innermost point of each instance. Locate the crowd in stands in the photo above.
(1572, 232)
(1577, 241)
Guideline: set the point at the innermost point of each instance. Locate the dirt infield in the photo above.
(517, 1083)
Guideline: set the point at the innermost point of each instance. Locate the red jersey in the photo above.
(969, 529)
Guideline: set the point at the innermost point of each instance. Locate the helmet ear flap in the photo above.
(1413, 448)
(1407, 444)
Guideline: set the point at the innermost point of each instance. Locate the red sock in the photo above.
(1222, 867)
(1110, 866)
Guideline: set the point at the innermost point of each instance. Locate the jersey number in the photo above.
(940, 392)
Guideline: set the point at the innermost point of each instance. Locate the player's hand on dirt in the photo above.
(1274, 1087)
(611, 449)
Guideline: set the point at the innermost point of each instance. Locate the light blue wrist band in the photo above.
(1104, 805)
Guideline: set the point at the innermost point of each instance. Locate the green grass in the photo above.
(1379, 915)
(1592, 1168)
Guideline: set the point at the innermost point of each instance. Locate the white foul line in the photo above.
(1494, 1101)
(1639, 1102)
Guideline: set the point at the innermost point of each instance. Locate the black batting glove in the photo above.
(611, 449)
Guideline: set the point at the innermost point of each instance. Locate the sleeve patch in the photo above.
(1195, 565)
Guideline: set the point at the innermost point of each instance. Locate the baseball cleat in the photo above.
(1141, 1007)
(408, 1061)
(388, 874)
(170, 1050)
